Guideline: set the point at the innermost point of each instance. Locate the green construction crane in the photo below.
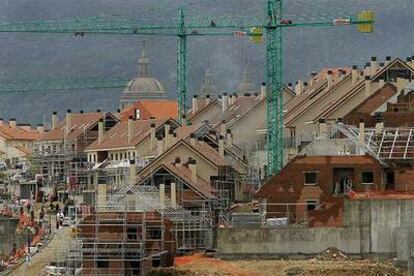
(183, 27)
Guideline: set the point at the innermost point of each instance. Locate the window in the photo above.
(311, 178)
(132, 233)
(311, 205)
(102, 263)
(367, 178)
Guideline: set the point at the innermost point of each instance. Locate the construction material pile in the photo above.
(331, 254)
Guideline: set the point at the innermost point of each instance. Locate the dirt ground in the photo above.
(200, 265)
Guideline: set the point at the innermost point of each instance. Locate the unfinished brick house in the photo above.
(125, 243)
(307, 182)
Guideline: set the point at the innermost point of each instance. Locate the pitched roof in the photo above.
(18, 133)
(159, 109)
(203, 107)
(117, 137)
(184, 173)
(378, 98)
(301, 103)
(24, 150)
(80, 122)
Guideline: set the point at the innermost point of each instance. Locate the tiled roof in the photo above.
(18, 133)
(311, 96)
(117, 137)
(203, 107)
(79, 123)
(159, 109)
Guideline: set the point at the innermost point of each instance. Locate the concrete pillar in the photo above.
(361, 135)
(162, 196)
(379, 127)
(54, 120)
(367, 86)
(173, 196)
(192, 139)
(223, 128)
(171, 140)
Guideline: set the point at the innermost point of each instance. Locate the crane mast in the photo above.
(182, 28)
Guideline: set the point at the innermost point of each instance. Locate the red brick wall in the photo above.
(404, 180)
(288, 186)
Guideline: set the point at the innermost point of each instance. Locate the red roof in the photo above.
(159, 109)
(18, 133)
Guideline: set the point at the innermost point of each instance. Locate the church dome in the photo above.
(144, 86)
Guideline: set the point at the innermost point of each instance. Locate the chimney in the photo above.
(171, 140)
(100, 130)
(223, 128)
(160, 146)
(367, 71)
(207, 100)
(367, 85)
(323, 129)
(342, 74)
(374, 65)
(177, 162)
(152, 136)
(234, 97)
(355, 74)
(68, 122)
(229, 136)
(54, 120)
(290, 86)
(230, 99)
(12, 123)
(313, 78)
(192, 165)
(329, 78)
(192, 139)
(130, 129)
(381, 81)
(298, 87)
(195, 104)
(174, 138)
(200, 140)
(173, 196)
(81, 111)
(132, 172)
(167, 133)
(263, 90)
(387, 59)
(162, 196)
(221, 146)
(224, 102)
(1, 121)
(40, 128)
(98, 111)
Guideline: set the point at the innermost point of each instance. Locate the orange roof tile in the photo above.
(117, 137)
(159, 109)
(79, 123)
(18, 133)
